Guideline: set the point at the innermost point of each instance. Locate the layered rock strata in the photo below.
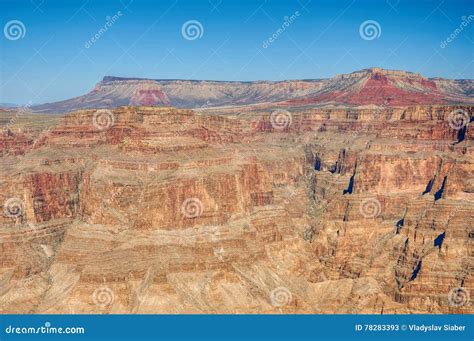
(163, 210)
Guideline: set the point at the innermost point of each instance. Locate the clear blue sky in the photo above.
(51, 61)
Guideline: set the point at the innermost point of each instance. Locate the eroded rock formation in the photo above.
(162, 210)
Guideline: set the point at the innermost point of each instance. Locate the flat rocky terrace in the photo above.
(164, 210)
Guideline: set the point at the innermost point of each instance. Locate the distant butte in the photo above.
(374, 86)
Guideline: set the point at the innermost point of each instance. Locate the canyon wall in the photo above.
(163, 210)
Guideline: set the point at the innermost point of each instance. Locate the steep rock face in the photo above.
(41, 196)
(12, 143)
(161, 210)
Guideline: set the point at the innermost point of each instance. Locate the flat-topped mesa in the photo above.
(379, 71)
(389, 87)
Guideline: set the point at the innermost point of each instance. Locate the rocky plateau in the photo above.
(142, 209)
(365, 87)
